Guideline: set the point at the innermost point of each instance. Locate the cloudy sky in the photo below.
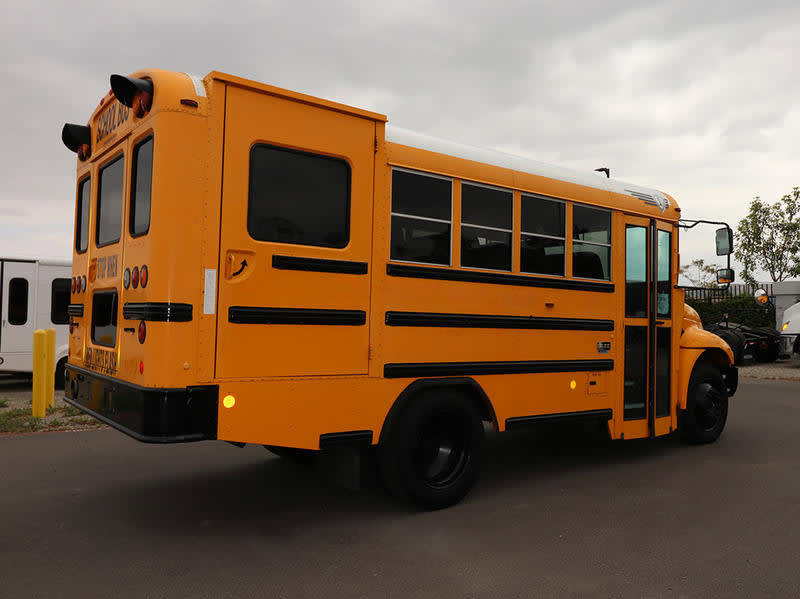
(698, 99)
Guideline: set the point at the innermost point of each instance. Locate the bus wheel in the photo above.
(706, 406)
(60, 367)
(432, 452)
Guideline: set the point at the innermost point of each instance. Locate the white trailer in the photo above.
(790, 329)
(34, 294)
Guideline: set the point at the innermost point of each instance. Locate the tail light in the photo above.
(83, 283)
(143, 276)
(126, 278)
(142, 331)
(73, 284)
(135, 277)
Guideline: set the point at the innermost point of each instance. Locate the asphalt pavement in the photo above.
(96, 514)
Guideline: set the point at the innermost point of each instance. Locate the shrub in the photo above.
(742, 309)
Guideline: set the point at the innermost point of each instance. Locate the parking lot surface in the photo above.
(96, 514)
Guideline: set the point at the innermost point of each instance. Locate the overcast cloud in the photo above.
(696, 99)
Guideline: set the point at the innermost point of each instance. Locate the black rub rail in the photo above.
(490, 321)
(157, 311)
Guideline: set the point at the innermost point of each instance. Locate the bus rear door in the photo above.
(295, 238)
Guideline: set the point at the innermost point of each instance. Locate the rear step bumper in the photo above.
(150, 415)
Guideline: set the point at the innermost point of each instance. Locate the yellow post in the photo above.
(39, 374)
(50, 382)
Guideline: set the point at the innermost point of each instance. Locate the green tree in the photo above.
(700, 274)
(768, 238)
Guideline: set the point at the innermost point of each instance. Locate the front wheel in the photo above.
(431, 455)
(706, 406)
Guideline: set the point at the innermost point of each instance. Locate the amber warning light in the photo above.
(136, 94)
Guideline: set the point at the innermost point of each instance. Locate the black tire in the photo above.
(735, 341)
(767, 354)
(59, 375)
(431, 455)
(294, 454)
(706, 406)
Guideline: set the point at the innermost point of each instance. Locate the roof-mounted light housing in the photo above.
(78, 138)
(133, 93)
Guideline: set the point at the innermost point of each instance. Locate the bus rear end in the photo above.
(139, 309)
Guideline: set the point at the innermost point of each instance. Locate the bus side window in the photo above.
(298, 197)
(591, 246)
(486, 215)
(18, 301)
(141, 184)
(59, 300)
(543, 235)
(109, 202)
(421, 217)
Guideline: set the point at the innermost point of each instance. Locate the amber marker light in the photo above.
(572, 385)
(229, 401)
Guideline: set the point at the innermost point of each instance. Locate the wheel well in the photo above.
(714, 356)
(466, 386)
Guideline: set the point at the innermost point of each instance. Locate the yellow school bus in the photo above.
(257, 265)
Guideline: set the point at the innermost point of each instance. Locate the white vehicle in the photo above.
(34, 295)
(790, 329)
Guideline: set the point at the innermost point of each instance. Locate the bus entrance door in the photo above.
(646, 401)
(18, 307)
(295, 238)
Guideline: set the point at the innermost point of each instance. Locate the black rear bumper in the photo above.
(150, 415)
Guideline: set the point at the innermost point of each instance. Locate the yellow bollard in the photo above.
(39, 373)
(50, 381)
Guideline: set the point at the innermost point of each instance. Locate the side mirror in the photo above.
(725, 275)
(761, 296)
(724, 241)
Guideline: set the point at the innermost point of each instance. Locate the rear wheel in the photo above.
(767, 354)
(706, 406)
(431, 455)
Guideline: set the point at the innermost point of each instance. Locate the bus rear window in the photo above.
(141, 183)
(82, 217)
(104, 318)
(109, 202)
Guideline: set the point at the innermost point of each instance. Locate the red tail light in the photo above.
(142, 331)
(73, 284)
(143, 276)
(135, 277)
(141, 367)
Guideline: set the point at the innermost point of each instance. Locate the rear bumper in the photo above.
(150, 415)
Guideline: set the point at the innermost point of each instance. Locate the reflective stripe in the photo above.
(199, 88)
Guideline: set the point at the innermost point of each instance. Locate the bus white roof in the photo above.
(405, 137)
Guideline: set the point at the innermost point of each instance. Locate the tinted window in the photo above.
(591, 224)
(142, 178)
(104, 318)
(416, 240)
(486, 206)
(663, 287)
(542, 216)
(18, 301)
(421, 218)
(59, 300)
(486, 216)
(663, 362)
(635, 387)
(543, 235)
(297, 197)
(419, 195)
(485, 248)
(109, 202)
(82, 216)
(591, 246)
(635, 272)
(542, 255)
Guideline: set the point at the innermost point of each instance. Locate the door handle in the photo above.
(660, 321)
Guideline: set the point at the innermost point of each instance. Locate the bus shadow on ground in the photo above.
(278, 495)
